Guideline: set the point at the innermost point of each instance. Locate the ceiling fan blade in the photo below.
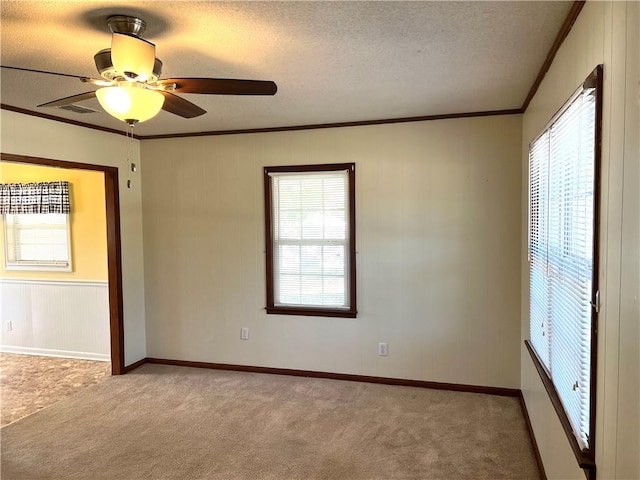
(221, 86)
(69, 100)
(44, 71)
(181, 107)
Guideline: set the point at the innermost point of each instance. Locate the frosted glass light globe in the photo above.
(130, 104)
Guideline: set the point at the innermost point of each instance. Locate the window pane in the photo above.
(25, 236)
(289, 259)
(332, 195)
(335, 224)
(27, 252)
(311, 286)
(333, 259)
(334, 291)
(290, 225)
(312, 224)
(289, 198)
(311, 192)
(311, 259)
(289, 289)
(60, 253)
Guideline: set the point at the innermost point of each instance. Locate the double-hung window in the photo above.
(563, 297)
(310, 239)
(37, 241)
(36, 225)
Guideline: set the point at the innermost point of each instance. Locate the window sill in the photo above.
(34, 267)
(312, 312)
(584, 457)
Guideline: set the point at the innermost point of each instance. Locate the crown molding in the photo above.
(576, 8)
(318, 126)
(24, 111)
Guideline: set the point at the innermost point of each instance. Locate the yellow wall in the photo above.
(88, 220)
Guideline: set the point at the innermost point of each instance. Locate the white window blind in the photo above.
(539, 319)
(311, 239)
(561, 229)
(37, 241)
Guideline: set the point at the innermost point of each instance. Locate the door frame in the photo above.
(114, 253)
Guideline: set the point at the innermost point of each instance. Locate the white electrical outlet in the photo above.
(9, 326)
(383, 349)
(244, 333)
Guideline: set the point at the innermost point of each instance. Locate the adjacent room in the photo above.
(327, 240)
(55, 307)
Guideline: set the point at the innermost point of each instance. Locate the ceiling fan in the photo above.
(131, 89)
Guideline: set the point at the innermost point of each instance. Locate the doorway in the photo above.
(114, 261)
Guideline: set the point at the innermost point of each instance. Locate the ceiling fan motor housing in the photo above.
(106, 70)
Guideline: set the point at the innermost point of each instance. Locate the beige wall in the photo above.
(27, 135)
(438, 241)
(607, 33)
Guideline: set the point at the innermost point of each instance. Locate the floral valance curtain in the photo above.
(44, 197)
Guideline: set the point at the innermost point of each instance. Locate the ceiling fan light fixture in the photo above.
(133, 57)
(130, 103)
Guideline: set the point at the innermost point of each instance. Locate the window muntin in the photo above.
(37, 241)
(563, 166)
(310, 239)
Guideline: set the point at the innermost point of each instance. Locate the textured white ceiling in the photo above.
(332, 61)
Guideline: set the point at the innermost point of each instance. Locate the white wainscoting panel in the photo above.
(56, 318)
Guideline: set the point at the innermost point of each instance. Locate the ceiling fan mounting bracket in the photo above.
(126, 24)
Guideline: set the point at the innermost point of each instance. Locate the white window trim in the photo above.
(37, 266)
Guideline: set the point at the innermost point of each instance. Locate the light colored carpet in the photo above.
(164, 422)
(32, 382)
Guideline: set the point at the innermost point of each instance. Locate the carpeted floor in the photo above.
(164, 422)
(30, 382)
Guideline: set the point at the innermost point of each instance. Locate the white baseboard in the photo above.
(44, 352)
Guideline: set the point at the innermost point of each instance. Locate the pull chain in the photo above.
(131, 167)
